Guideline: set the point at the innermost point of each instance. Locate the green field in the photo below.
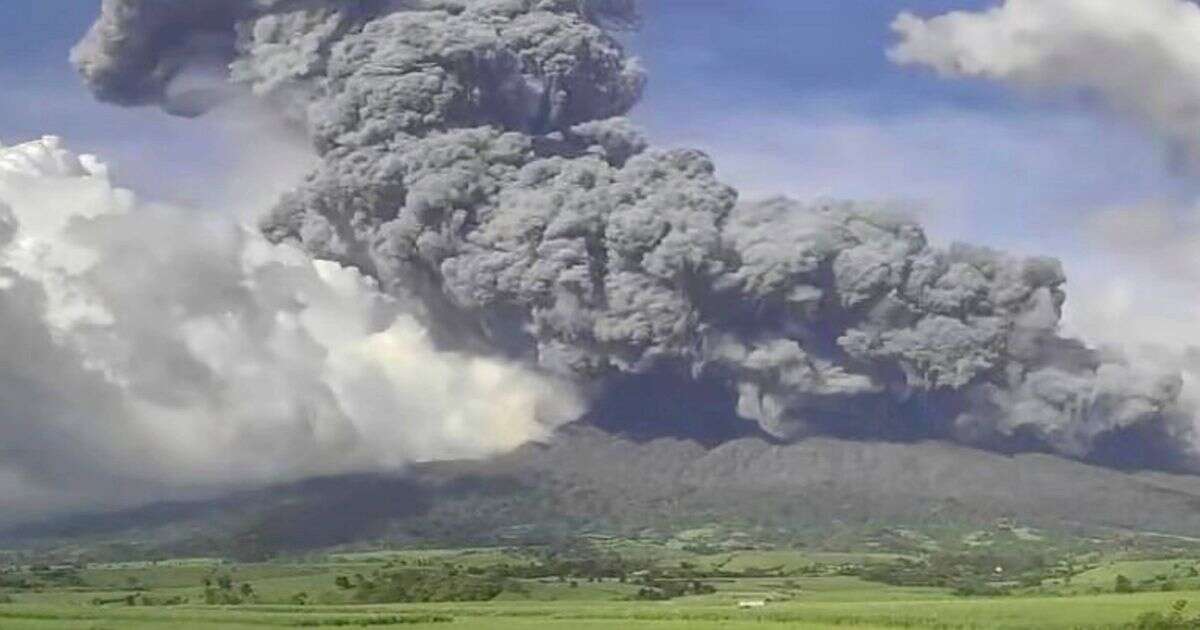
(858, 608)
(172, 595)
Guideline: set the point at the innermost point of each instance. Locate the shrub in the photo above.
(1123, 585)
(975, 587)
(426, 586)
(663, 590)
(1173, 620)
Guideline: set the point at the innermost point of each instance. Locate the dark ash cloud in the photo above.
(474, 158)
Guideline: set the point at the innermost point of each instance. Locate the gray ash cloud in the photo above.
(475, 158)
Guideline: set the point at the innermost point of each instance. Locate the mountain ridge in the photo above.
(583, 480)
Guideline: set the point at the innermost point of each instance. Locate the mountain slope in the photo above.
(596, 475)
(585, 480)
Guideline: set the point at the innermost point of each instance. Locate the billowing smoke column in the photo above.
(474, 158)
(154, 352)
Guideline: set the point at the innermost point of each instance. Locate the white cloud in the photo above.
(151, 349)
(1139, 292)
(1139, 57)
(1145, 276)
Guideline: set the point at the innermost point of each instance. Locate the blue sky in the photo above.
(799, 97)
(156, 154)
(787, 51)
(790, 96)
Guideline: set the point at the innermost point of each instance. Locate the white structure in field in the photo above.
(752, 603)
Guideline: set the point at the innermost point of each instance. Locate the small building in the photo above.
(752, 603)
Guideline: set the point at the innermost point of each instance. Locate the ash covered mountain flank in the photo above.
(585, 480)
(475, 160)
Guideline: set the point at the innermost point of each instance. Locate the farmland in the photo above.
(603, 584)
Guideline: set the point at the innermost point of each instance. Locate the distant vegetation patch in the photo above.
(417, 585)
(382, 620)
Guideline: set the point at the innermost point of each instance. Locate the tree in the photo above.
(1123, 585)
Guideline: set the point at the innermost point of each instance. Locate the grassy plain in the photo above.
(97, 597)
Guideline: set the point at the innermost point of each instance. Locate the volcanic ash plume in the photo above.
(474, 160)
